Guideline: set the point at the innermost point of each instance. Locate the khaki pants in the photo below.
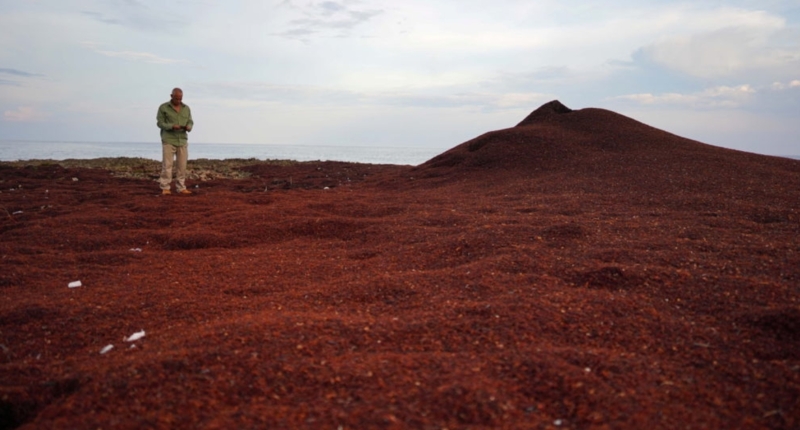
(179, 154)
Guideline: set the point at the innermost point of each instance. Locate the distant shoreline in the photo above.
(145, 168)
(26, 151)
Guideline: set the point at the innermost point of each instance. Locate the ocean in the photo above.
(13, 150)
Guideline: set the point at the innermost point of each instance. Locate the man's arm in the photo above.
(189, 123)
(162, 120)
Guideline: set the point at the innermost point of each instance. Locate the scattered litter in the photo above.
(16, 213)
(74, 179)
(326, 188)
(106, 349)
(74, 284)
(136, 336)
(136, 249)
(558, 423)
(133, 345)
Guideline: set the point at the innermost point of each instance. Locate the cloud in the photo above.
(750, 41)
(16, 72)
(97, 16)
(136, 15)
(547, 74)
(543, 77)
(16, 75)
(480, 100)
(140, 56)
(328, 17)
(144, 57)
(519, 100)
(329, 8)
(717, 97)
(22, 114)
(250, 94)
(779, 86)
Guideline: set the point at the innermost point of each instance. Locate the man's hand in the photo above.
(187, 128)
(178, 127)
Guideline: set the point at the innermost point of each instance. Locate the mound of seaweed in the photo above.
(545, 111)
(598, 143)
(554, 136)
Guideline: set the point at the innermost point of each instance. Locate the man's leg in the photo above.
(167, 155)
(182, 153)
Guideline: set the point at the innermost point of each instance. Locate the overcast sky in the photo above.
(397, 73)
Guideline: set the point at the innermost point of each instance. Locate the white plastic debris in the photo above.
(136, 249)
(74, 179)
(106, 349)
(74, 284)
(136, 336)
(16, 213)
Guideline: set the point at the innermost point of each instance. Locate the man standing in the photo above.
(175, 121)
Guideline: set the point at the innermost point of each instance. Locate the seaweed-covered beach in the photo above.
(579, 270)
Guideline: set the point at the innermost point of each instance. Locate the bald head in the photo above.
(176, 97)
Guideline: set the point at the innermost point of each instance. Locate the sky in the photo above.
(430, 73)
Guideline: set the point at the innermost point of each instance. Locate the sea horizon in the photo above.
(22, 150)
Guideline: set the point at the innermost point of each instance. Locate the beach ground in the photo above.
(631, 280)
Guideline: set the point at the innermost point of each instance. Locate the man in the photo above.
(175, 121)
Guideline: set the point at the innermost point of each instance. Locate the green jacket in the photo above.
(167, 117)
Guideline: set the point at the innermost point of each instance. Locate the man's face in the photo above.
(177, 96)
